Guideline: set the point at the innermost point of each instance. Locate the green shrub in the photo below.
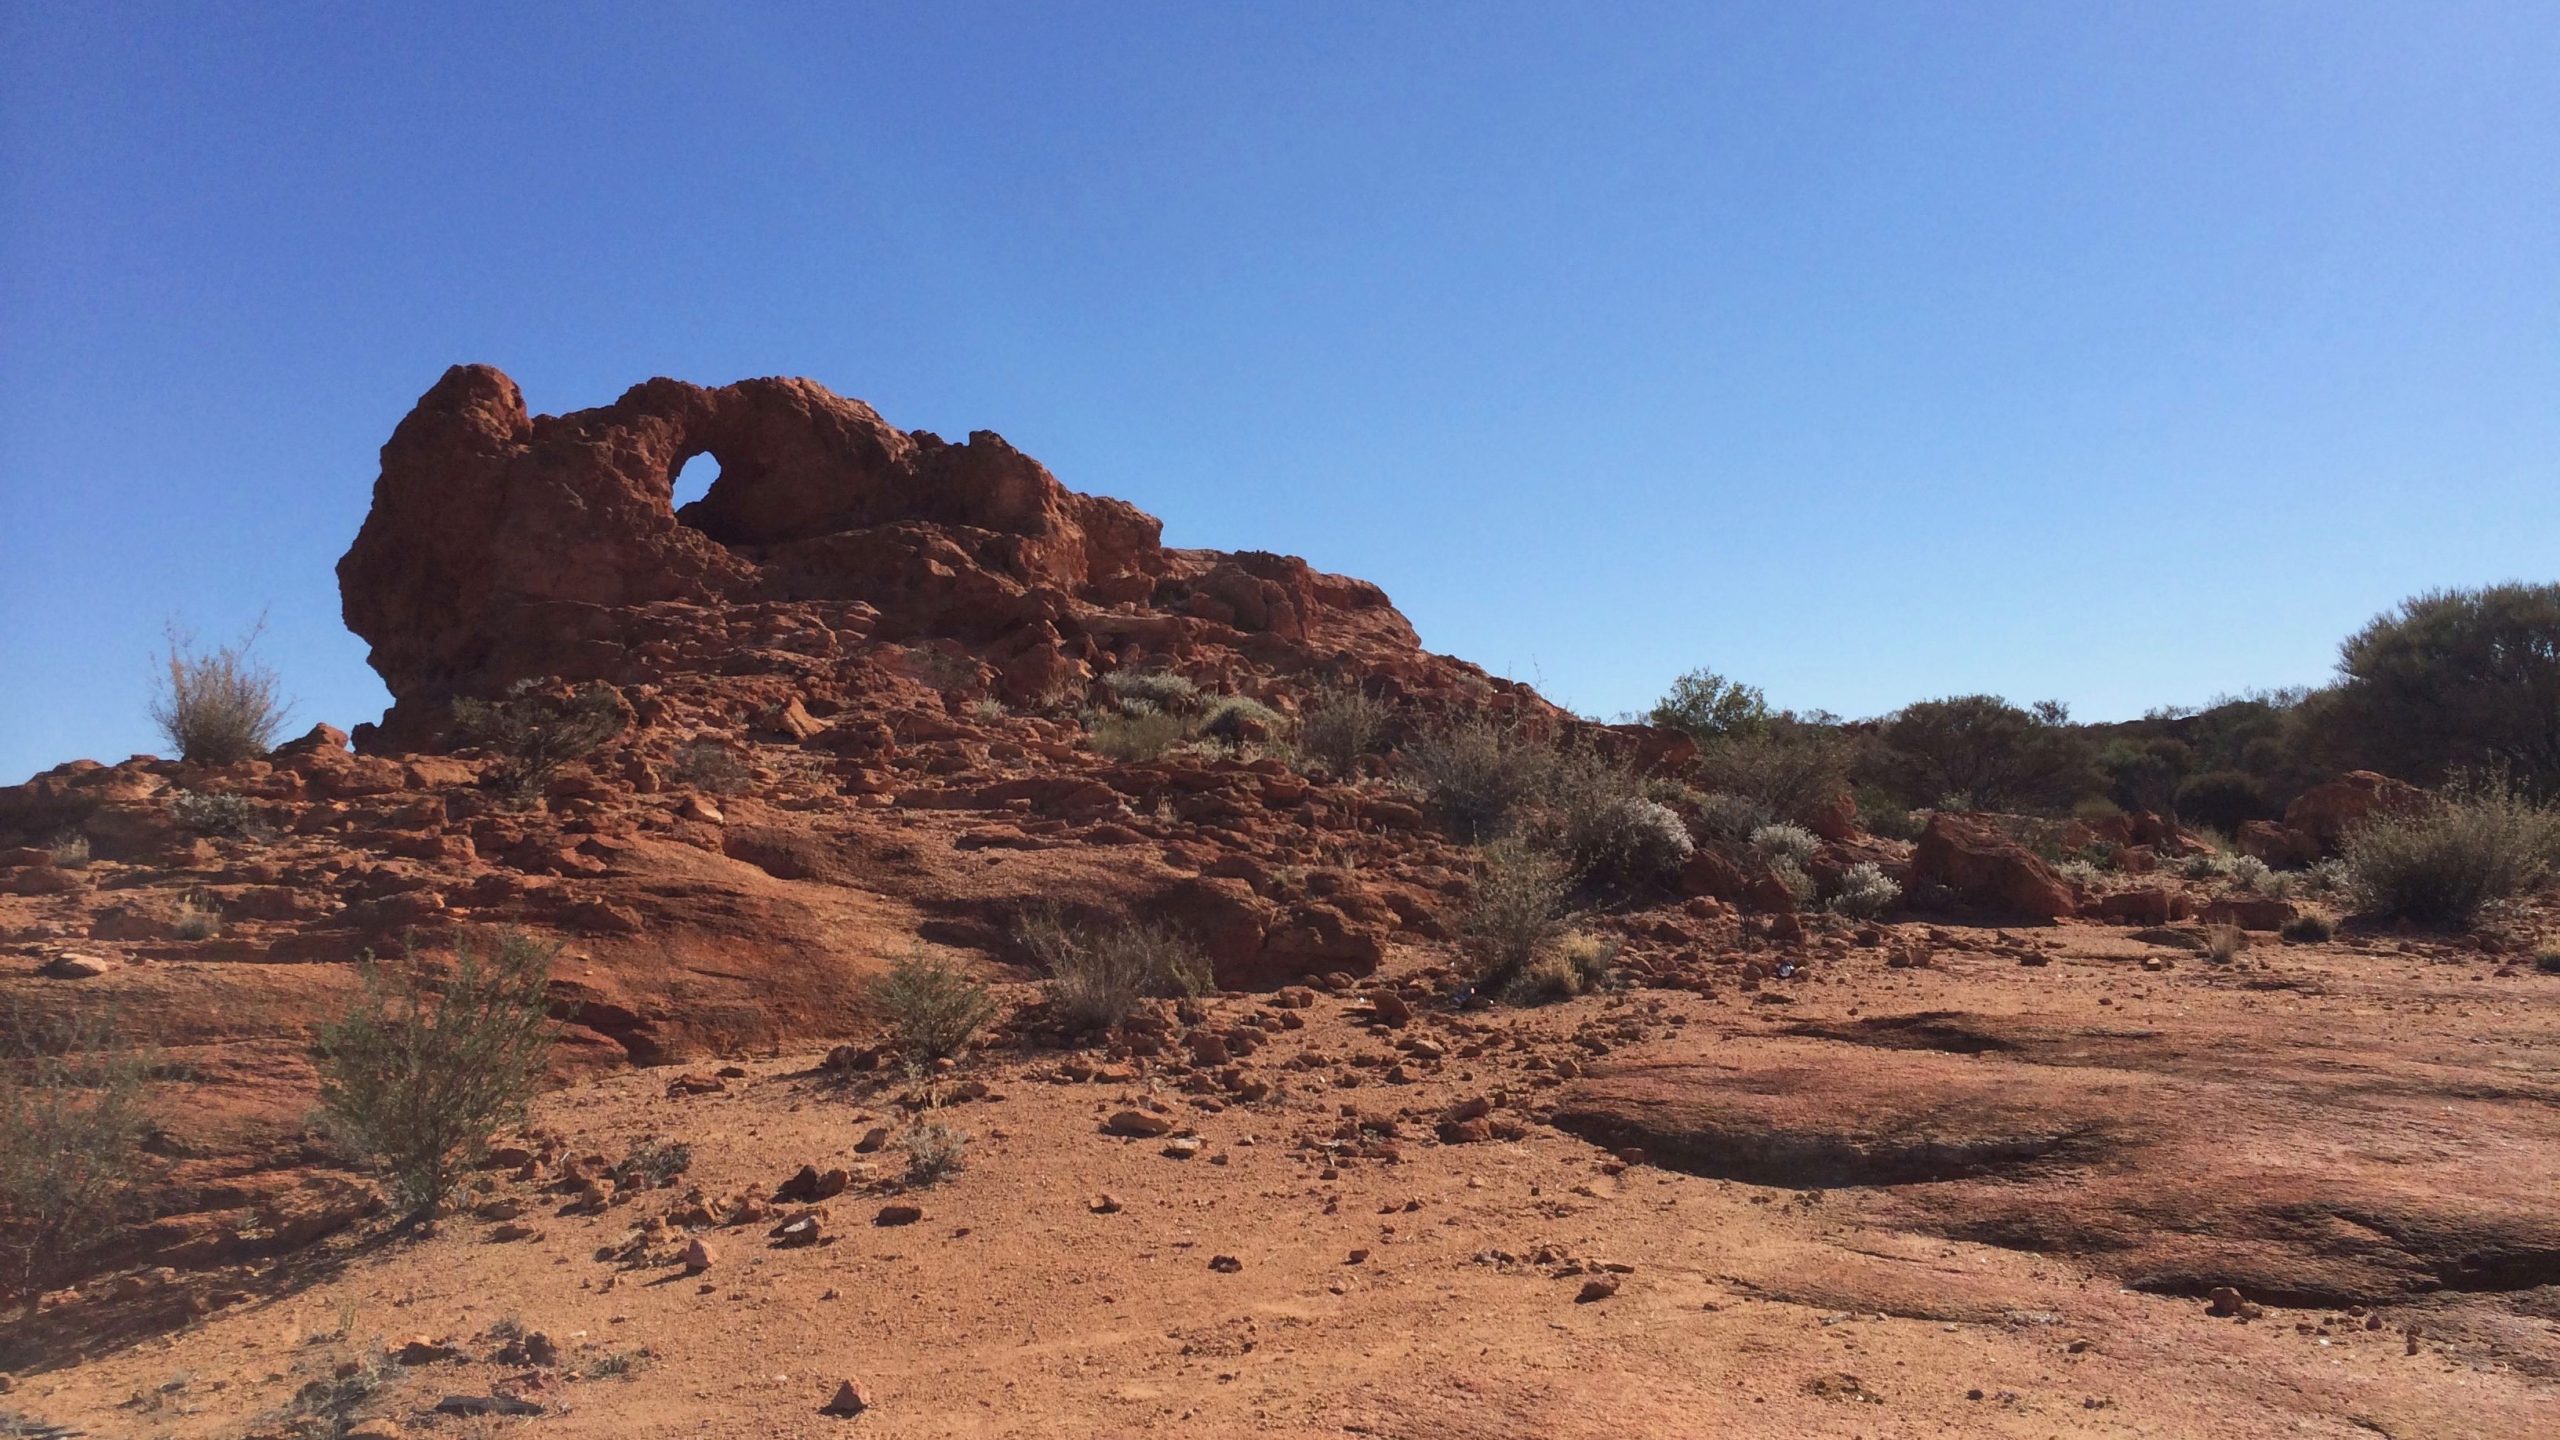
(1865, 892)
(1144, 691)
(2480, 842)
(1339, 727)
(73, 1119)
(1995, 754)
(1793, 769)
(1731, 820)
(1135, 737)
(195, 919)
(712, 766)
(421, 1071)
(1479, 773)
(2454, 679)
(1517, 909)
(2225, 800)
(1880, 814)
(1576, 964)
(220, 707)
(2249, 873)
(932, 1005)
(1098, 976)
(1710, 708)
(534, 730)
(1238, 719)
(2547, 959)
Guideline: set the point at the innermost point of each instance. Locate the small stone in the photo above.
(511, 1231)
(1104, 1204)
(699, 1256)
(1225, 1264)
(851, 1400)
(872, 1140)
(1182, 1148)
(71, 965)
(1137, 1125)
(898, 1214)
(1598, 1287)
(2223, 1302)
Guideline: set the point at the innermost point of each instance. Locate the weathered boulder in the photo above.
(1987, 869)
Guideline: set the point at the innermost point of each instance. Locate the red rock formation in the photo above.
(1988, 869)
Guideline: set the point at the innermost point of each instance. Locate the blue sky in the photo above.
(1868, 352)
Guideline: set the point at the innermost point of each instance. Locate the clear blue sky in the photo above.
(2124, 353)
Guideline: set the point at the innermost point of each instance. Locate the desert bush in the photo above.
(1995, 754)
(1865, 892)
(2454, 679)
(2249, 873)
(1792, 768)
(73, 1118)
(1576, 964)
(195, 919)
(1238, 719)
(712, 766)
(941, 669)
(1478, 773)
(1782, 841)
(231, 817)
(1097, 976)
(2309, 927)
(1627, 843)
(932, 1005)
(2205, 866)
(2479, 842)
(1710, 708)
(1880, 814)
(987, 710)
(935, 1153)
(1516, 910)
(1141, 691)
(220, 706)
(1135, 736)
(1340, 726)
(330, 1405)
(2224, 943)
(1731, 820)
(2224, 800)
(533, 730)
(2547, 959)
(421, 1071)
(651, 1164)
(68, 850)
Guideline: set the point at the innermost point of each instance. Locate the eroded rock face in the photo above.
(503, 546)
(1989, 870)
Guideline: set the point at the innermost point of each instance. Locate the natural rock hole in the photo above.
(692, 482)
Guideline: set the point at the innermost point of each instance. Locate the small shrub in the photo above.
(68, 850)
(1880, 814)
(1865, 892)
(1628, 843)
(220, 707)
(713, 767)
(1152, 691)
(1136, 737)
(2204, 866)
(534, 731)
(1733, 819)
(2225, 800)
(987, 710)
(1785, 842)
(1577, 965)
(1478, 773)
(73, 1117)
(330, 1405)
(618, 1364)
(933, 1007)
(421, 1072)
(1516, 910)
(652, 1164)
(2079, 872)
(2309, 928)
(2249, 873)
(942, 669)
(2547, 959)
(1794, 769)
(231, 817)
(1341, 726)
(1798, 882)
(935, 1152)
(2480, 842)
(2224, 943)
(1238, 719)
(194, 919)
(1096, 977)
